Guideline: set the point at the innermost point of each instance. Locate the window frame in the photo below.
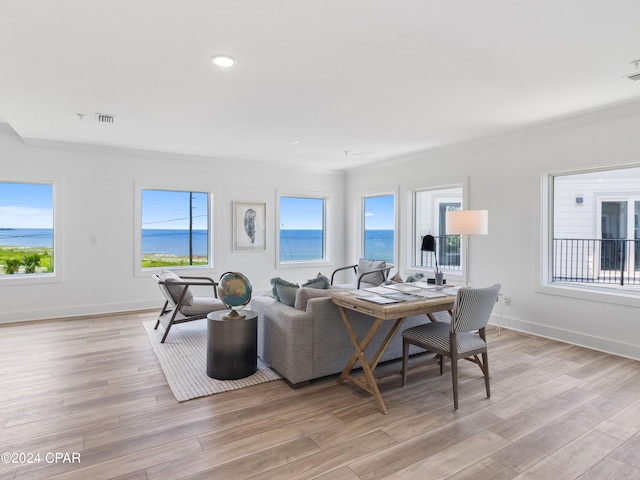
(545, 250)
(57, 276)
(139, 271)
(362, 222)
(411, 243)
(326, 229)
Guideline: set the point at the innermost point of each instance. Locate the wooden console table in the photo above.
(396, 312)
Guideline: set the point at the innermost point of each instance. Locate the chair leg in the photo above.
(485, 369)
(441, 357)
(454, 379)
(162, 312)
(405, 359)
(166, 332)
(169, 325)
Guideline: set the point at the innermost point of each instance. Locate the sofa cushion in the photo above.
(284, 291)
(176, 290)
(304, 294)
(319, 282)
(203, 306)
(365, 266)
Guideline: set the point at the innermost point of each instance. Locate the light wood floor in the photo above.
(93, 387)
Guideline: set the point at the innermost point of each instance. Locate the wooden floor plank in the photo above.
(574, 459)
(92, 386)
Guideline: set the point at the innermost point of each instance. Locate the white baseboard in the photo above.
(574, 338)
(78, 311)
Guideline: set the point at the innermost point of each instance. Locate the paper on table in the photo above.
(425, 293)
(403, 287)
(426, 285)
(450, 290)
(379, 290)
(378, 299)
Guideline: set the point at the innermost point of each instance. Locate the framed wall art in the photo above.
(249, 226)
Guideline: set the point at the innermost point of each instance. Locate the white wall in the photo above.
(505, 176)
(97, 189)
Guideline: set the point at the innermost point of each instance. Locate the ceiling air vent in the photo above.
(635, 76)
(104, 118)
(364, 153)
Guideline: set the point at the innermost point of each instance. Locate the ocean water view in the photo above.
(294, 244)
(378, 245)
(298, 245)
(171, 242)
(174, 242)
(26, 237)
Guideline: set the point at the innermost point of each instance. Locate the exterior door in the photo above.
(614, 232)
(448, 248)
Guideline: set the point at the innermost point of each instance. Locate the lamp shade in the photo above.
(467, 222)
(428, 243)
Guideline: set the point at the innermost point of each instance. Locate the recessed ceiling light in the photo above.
(294, 142)
(223, 61)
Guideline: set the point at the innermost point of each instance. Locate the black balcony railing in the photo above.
(608, 261)
(448, 251)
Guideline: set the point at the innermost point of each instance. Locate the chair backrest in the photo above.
(165, 291)
(377, 266)
(472, 308)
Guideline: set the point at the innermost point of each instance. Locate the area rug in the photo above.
(183, 358)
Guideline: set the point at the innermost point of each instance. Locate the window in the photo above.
(174, 228)
(379, 227)
(595, 234)
(26, 229)
(302, 229)
(429, 218)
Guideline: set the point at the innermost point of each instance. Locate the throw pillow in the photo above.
(396, 279)
(303, 295)
(368, 266)
(319, 282)
(416, 277)
(176, 290)
(285, 292)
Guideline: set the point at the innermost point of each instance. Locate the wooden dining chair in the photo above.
(463, 338)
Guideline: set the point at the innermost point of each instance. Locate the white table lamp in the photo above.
(467, 222)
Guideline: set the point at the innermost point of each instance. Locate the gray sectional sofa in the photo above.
(309, 340)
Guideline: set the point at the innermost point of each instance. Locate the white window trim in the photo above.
(326, 254)
(58, 242)
(545, 248)
(145, 272)
(361, 221)
(410, 244)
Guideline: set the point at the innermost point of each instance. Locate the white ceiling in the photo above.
(377, 79)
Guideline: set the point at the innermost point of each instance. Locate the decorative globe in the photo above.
(234, 289)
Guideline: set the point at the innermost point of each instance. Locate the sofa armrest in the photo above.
(285, 338)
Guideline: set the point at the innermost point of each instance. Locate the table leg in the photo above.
(392, 333)
(358, 345)
(367, 381)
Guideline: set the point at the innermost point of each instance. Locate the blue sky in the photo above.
(379, 213)
(26, 205)
(301, 213)
(162, 209)
(306, 213)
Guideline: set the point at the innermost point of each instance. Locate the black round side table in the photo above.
(232, 345)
